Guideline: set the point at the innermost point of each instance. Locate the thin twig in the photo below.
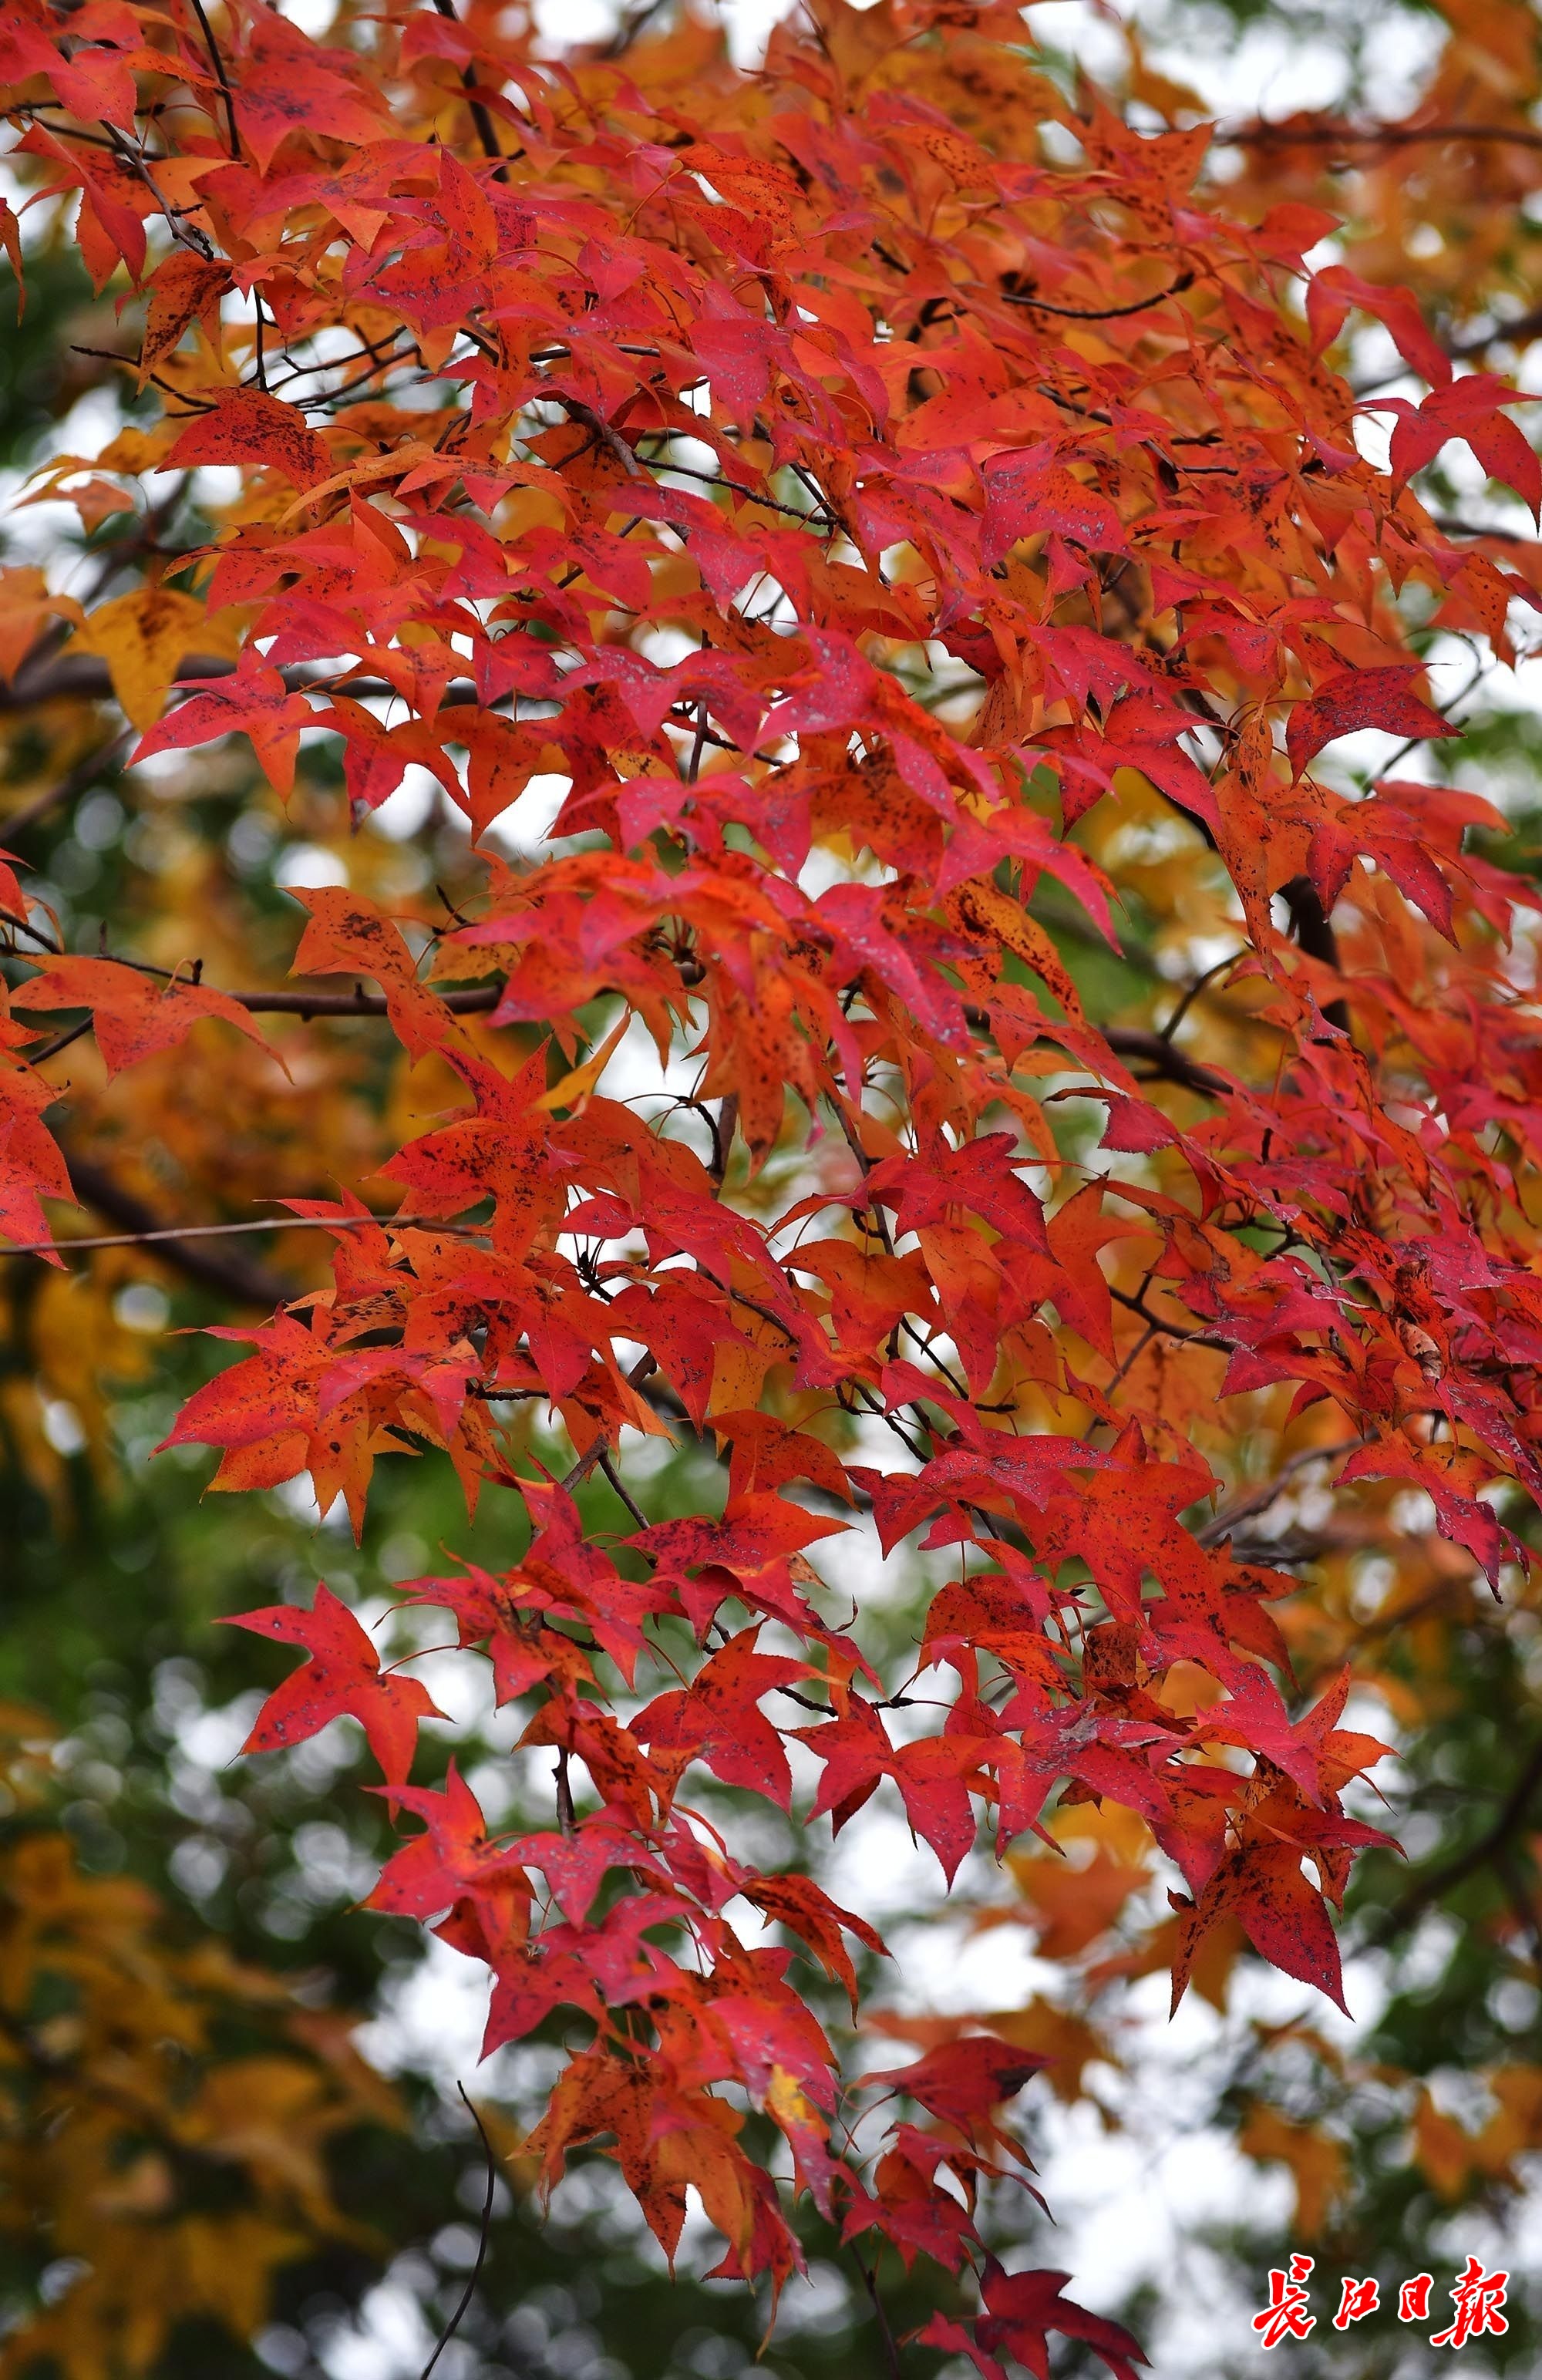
(596, 423)
(1221, 1524)
(1192, 994)
(228, 1230)
(869, 2282)
(218, 64)
(1175, 1066)
(1098, 313)
(1513, 333)
(228, 1276)
(607, 1465)
(356, 1003)
(585, 1462)
(303, 1005)
(60, 1041)
(85, 772)
(475, 2274)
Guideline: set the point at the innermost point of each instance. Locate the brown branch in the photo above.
(1524, 326)
(1258, 1500)
(218, 64)
(1201, 983)
(487, 134)
(599, 1451)
(1156, 1326)
(85, 678)
(869, 2282)
(1173, 1064)
(1370, 135)
(607, 1465)
(82, 677)
(1098, 313)
(304, 1004)
(724, 1126)
(262, 1223)
(1522, 1907)
(1482, 528)
(227, 1275)
(187, 234)
(60, 1041)
(43, 678)
(1440, 1880)
(1315, 935)
(611, 439)
(348, 1004)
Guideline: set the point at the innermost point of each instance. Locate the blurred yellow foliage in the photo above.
(154, 2173)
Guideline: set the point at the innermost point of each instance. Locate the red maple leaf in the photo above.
(342, 1677)
(1022, 2309)
(452, 1864)
(253, 701)
(135, 1014)
(1356, 699)
(717, 1719)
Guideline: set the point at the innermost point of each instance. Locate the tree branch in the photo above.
(227, 1275)
(487, 134)
(1099, 313)
(611, 439)
(869, 2282)
(474, 2276)
(1315, 935)
(305, 1004)
(350, 1004)
(84, 773)
(1154, 1049)
(1369, 136)
(1173, 1064)
(1440, 1880)
(1258, 1500)
(262, 1223)
(1526, 326)
(82, 677)
(599, 1451)
(218, 64)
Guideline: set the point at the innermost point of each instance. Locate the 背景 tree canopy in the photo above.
(742, 822)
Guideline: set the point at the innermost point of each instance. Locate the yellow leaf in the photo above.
(1315, 2160)
(94, 499)
(701, 2154)
(739, 1370)
(1066, 2040)
(987, 913)
(1443, 2148)
(134, 451)
(1072, 1905)
(27, 609)
(415, 453)
(144, 637)
(575, 1088)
